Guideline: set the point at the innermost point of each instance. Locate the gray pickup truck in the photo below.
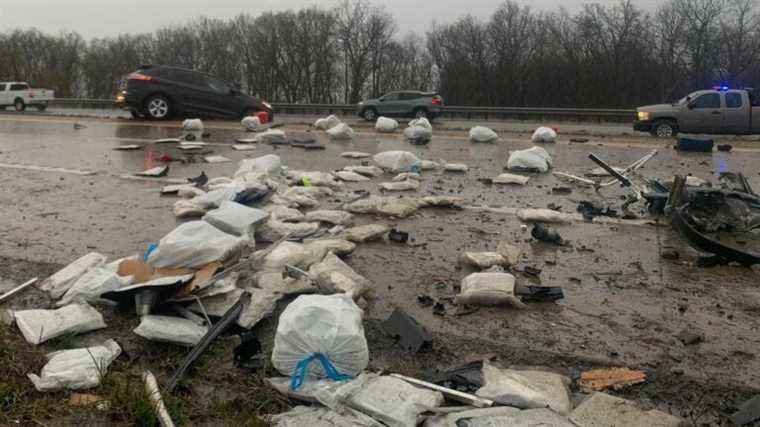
(721, 111)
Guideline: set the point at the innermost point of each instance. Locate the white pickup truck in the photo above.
(19, 95)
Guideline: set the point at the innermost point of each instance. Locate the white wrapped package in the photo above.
(267, 165)
(194, 125)
(272, 136)
(236, 219)
(418, 133)
(386, 125)
(422, 122)
(93, 284)
(482, 134)
(328, 122)
(534, 159)
(334, 275)
(488, 289)
(76, 369)
(330, 326)
(526, 389)
(396, 161)
(509, 178)
(175, 330)
(60, 282)
(544, 215)
(194, 244)
(39, 326)
(251, 124)
(349, 176)
(340, 132)
(544, 134)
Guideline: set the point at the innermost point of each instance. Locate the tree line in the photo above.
(600, 56)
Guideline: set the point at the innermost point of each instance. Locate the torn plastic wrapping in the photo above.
(534, 159)
(386, 125)
(38, 326)
(340, 131)
(301, 416)
(175, 330)
(76, 369)
(328, 122)
(61, 281)
(396, 161)
(236, 219)
(544, 134)
(334, 275)
(482, 134)
(194, 244)
(93, 284)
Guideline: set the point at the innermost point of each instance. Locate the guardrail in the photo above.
(453, 112)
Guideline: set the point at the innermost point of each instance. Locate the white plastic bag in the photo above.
(534, 159)
(194, 244)
(544, 134)
(334, 275)
(396, 161)
(283, 213)
(236, 219)
(252, 124)
(92, 285)
(427, 165)
(274, 229)
(482, 134)
(355, 155)
(455, 167)
(192, 125)
(328, 122)
(510, 178)
(340, 132)
(315, 178)
(76, 369)
(303, 256)
(175, 330)
(271, 136)
(526, 389)
(371, 171)
(386, 125)
(489, 289)
(422, 122)
(39, 326)
(301, 416)
(407, 185)
(60, 282)
(318, 324)
(418, 133)
(266, 165)
(187, 209)
(484, 260)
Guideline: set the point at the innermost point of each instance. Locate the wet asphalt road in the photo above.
(624, 304)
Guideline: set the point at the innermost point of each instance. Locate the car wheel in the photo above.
(369, 114)
(19, 105)
(158, 107)
(664, 129)
(420, 113)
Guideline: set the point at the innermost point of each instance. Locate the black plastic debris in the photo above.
(541, 294)
(532, 271)
(466, 378)
(748, 412)
(157, 172)
(249, 347)
(589, 211)
(425, 301)
(545, 234)
(439, 309)
(200, 180)
(485, 181)
(711, 261)
(562, 191)
(398, 236)
(579, 140)
(725, 147)
(695, 145)
(670, 254)
(412, 336)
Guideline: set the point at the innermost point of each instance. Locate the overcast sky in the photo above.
(101, 18)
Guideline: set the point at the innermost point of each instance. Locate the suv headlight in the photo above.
(644, 116)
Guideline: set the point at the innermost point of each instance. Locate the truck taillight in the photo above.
(138, 76)
(437, 101)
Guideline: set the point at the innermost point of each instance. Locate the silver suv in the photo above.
(402, 104)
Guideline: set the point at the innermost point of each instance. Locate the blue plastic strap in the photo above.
(302, 367)
(152, 247)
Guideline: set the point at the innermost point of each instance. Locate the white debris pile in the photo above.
(76, 369)
(510, 178)
(386, 125)
(61, 281)
(350, 176)
(194, 244)
(253, 124)
(534, 159)
(455, 167)
(483, 134)
(544, 134)
(328, 122)
(340, 132)
(236, 219)
(397, 161)
(405, 185)
(335, 276)
(419, 131)
(92, 285)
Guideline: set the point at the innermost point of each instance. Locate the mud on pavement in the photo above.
(624, 303)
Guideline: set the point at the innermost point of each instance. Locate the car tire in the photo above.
(158, 107)
(19, 105)
(420, 113)
(664, 129)
(369, 114)
(41, 108)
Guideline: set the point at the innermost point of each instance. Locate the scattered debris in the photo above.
(482, 134)
(157, 172)
(128, 147)
(545, 234)
(395, 161)
(613, 378)
(194, 244)
(695, 145)
(332, 275)
(455, 167)
(60, 282)
(398, 236)
(17, 289)
(243, 147)
(748, 412)
(725, 148)
(458, 396)
(328, 122)
(543, 215)
(340, 132)
(407, 185)
(411, 335)
(386, 125)
(534, 159)
(175, 330)
(484, 260)
(526, 389)
(76, 369)
(154, 394)
(540, 294)
(601, 409)
(365, 233)
(489, 289)
(355, 155)
(39, 326)
(216, 159)
(544, 134)
(509, 178)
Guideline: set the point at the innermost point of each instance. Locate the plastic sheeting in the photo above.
(488, 289)
(407, 185)
(266, 165)
(61, 281)
(76, 369)
(93, 284)
(38, 326)
(271, 136)
(334, 275)
(328, 122)
(194, 244)
(386, 125)
(526, 389)
(175, 330)
(236, 219)
(349, 176)
(329, 216)
(482, 134)
(396, 161)
(534, 159)
(328, 325)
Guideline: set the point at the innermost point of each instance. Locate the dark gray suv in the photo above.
(402, 104)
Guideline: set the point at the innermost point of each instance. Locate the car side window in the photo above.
(408, 96)
(707, 101)
(19, 87)
(2, 87)
(218, 86)
(391, 97)
(733, 100)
